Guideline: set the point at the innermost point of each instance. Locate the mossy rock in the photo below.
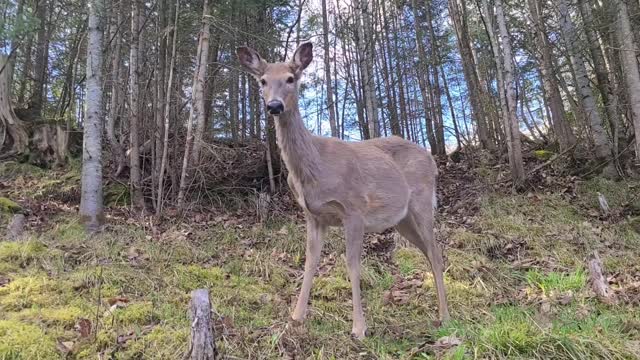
(543, 155)
(9, 206)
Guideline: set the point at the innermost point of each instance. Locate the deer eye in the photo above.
(263, 82)
(290, 80)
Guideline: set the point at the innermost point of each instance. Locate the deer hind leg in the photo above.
(417, 228)
(315, 239)
(354, 235)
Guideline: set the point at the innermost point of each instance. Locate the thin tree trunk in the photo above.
(437, 91)
(366, 50)
(134, 118)
(114, 108)
(470, 73)
(609, 97)
(602, 145)
(327, 70)
(197, 109)
(451, 108)
(41, 58)
(564, 134)
(198, 94)
(511, 126)
(167, 112)
(631, 74)
(91, 195)
(422, 74)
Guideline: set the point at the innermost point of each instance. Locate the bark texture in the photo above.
(91, 211)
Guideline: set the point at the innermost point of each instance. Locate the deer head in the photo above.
(278, 81)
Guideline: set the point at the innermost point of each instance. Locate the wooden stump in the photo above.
(202, 345)
(16, 227)
(598, 281)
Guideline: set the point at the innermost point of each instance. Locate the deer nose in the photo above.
(275, 107)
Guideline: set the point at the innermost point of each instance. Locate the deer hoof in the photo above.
(296, 322)
(358, 334)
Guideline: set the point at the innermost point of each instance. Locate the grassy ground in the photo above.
(516, 278)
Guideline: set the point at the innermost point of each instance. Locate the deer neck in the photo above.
(296, 146)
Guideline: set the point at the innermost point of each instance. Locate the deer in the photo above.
(362, 186)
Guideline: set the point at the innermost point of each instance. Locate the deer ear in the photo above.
(251, 61)
(302, 57)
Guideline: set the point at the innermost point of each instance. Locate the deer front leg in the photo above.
(354, 234)
(315, 239)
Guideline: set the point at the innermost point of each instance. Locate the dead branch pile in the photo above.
(232, 167)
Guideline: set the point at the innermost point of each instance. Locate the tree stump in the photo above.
(598, 281)
(16, 227)
(202, 344)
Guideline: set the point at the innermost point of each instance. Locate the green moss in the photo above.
(135, 314)
(543, 155)
(161, 343)
(20, 341)
(63, 316)
(21, 253)
(9, 206)
(194, 277)
(37, 290)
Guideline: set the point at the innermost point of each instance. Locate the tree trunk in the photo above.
(8, 118)
(495, 47)
(609, 97)
(198, 92)
(470, 74)
(91, 197)
(327, 70)
(41, 58)
(587, 100)
(114, 108)
(134, 110)
(197, 108)
(422, 74)
(167, 112)
(564, 134)
(511, 126)
(437, 91)
(631, 74)
(367, 53)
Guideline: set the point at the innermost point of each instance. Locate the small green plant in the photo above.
(555, 281)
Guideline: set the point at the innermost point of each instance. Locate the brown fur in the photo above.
(365, 186)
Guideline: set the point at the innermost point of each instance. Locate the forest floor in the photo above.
(516, 275)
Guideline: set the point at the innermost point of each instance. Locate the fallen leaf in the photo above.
(83, 326)
(116, 302)
(118, 299)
